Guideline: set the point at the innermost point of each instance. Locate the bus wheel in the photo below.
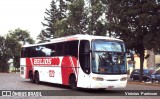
(36, 77)
(73, 82)
(31, 77)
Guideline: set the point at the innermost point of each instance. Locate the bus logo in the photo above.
(46, 61)
(42, 61)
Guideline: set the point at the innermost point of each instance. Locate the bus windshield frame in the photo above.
(108, 57)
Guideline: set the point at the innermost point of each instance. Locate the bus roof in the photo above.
(74, 37)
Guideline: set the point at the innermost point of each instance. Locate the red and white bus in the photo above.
(79, 61)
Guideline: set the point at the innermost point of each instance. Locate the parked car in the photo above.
(135, 74)
(155, 76)
(146, 74)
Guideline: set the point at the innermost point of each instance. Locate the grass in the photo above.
(144, 83)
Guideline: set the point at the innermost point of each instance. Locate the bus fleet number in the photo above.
(51, 73)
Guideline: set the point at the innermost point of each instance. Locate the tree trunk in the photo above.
(141, 65)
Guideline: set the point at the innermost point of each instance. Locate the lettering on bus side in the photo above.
(42, 61)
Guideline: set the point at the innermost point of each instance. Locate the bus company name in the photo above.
(46, 61)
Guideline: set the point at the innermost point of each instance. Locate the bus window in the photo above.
(72, 48)
(50, 49)
(52, 52)
(59, 49)
(23, 53)
(26, 52)
(84, 56)
(108, 58)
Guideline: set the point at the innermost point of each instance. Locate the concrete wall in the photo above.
(151, 59)
(137, 62)
(157, 59)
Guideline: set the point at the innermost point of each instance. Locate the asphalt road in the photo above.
(12, 81)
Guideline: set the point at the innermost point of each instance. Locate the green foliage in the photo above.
(76, 17)
(15, 49)
(16, 39)
(10, 50)
(96, 26)
(5, 55)
(11, 47)
(55, 17)
(137, 23)
(21, 36)
(73, 17)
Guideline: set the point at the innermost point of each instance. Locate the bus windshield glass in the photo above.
(108, 57)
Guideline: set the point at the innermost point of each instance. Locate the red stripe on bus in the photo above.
(66, 71)
(28, 67)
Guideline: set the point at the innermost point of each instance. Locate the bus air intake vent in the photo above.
(113, 80)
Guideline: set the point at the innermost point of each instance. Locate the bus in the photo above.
(80, 61)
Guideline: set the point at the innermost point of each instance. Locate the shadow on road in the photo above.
(65, 87)
(67, 91)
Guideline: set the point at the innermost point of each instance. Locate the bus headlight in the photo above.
(123, 79)
(98, 78)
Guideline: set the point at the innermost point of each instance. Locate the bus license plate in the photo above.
(110, 87)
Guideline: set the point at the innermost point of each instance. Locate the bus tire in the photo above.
(31, 77)
(73, 82)
(36, 77)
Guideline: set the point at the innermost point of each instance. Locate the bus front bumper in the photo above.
(108, 83)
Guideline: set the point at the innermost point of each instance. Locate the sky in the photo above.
(23, 14)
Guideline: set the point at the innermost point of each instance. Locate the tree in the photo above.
(66, 17)
(5, 55)
(69, 17)
(21, 36)
(15, 39)
(77, 17)
(55, 17)
(52, 17)
(137, 23)
(96, 26)
(15, 48)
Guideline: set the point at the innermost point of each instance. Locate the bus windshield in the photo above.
(108, 57)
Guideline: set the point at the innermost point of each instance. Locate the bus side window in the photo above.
(71, 48)
(50, 50)
(23, 53)
(27, 52)
(58, 47)
(84, 56)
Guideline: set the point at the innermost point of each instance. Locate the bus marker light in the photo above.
(123, 79)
